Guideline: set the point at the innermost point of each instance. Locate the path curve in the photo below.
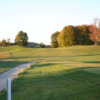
(12, 73)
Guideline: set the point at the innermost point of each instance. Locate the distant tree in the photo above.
(60, 39)
(68, 38)
(0, 43)
(54, 42)
(95, 31)
(37, 46)
(8, 42)
(77, 34)
(42, 45)
(82, 35)
(47, 46)
(5, 42)
(74, 35)
(21, 39)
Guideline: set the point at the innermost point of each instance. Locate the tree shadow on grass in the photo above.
(44, 65)
(91, 62)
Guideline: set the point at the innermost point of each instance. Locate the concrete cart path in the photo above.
(12, 73)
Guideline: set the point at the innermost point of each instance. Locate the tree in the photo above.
(68, 38)
(5, 42)
(60, 40)
(54, 42)
(82, 35)
(21, 38)
(8, 42)
(95, 31)
(42, 45)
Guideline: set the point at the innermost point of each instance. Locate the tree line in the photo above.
(21, 39)
(5, 42)
(77, 35)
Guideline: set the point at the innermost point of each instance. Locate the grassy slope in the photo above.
(60, 77)
(76, 56)
(75, 53)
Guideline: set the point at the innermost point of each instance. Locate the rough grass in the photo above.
(46, 81)
(4, 55)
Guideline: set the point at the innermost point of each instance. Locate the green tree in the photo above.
(82, 35)
(21, 39)
(74, 35)
(42, 45)
(68, 38)
(54, 42)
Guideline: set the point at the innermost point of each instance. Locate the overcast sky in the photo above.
(40, 18)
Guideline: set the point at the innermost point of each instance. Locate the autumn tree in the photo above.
(54, 42)
(82, 35)
(60, 39)
(21, 39)
(5, 42)
(68, 38)
(74, 35)
(8, 42)
(95, 31)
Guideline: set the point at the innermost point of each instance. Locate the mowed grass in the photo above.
(75, 56)
(85, 54)
(6, 65)
(74, 53)
(70, 73)
(46, 81)
(95, 70)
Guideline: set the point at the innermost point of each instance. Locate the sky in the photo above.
(40, 18)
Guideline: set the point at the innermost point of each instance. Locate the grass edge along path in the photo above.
(12, 73)
(7, 65)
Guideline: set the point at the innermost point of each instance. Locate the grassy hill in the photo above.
(71, 73)
(75, 53)
(75, 56)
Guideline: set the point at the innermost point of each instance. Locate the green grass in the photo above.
(71, 73)
(74, 53)
(45, 81)
(95, 70)
(75, 56)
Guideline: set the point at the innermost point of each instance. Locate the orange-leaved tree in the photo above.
(95, 31)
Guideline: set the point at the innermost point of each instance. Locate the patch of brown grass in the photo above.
(4, 55)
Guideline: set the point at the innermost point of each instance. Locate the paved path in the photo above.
(12, 73)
